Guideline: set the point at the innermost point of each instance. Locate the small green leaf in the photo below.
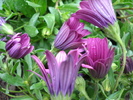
(13, 80)
(39, 85)
(24, 97)
(2, 45)
(43, 7)
(32, 4)
(111, 77)
(28, 61)
(38, 94)
(31, 30)
(23, 7)
(116, 95)
(57, 15)
(1, 3)
(34, 19)
(50, 20)
(72, 8)
(15, 66)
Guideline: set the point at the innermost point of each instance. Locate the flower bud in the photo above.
(129, 65)
(19, 46)
(46, 32)
(6, 28)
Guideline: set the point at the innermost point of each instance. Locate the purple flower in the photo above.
(62, 72)
(70, 34)
(98, 12)
(19, 46)
(2, 21)
(99, 58)
(129, 65)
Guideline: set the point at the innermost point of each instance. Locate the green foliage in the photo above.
(42, 19)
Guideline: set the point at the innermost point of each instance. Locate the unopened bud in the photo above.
(6, 28)
(46, 32)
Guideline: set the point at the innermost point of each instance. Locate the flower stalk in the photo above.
(96, 89)
(124, 51)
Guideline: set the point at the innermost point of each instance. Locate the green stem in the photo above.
(123, 62)
(12, 91)
(86, 95)
(20, 27)
(96, 90)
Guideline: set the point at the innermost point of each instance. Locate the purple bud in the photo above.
(129, 65)
(19, 46)
(99, 58)
(98, 12)
(71, 34)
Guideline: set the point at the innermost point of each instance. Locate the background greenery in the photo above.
(42, 19)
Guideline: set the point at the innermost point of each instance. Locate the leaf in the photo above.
(39, 85)
(34, 19)
(1, 3)
(50, 21)
(126, 38)
(116, 95)
(13, 80)
(28, 61)
(43, 7)
(15, 66)
(23, 7)
(2, 45)
(9, 4)
(72, 8)
(1, 60)
(111, 77)
(32, 4)
(57, 15)
(31, 30)
(24, 97)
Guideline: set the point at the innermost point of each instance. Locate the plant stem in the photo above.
(96, 90)
(125, 16)
(86, 95)
(20, 27)
(123, 62)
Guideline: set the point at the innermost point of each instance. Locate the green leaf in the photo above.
(15, 66)
(2, 45)
(31, 30)
(72, 8)
(34, 19)
(9, 4)
(1, 3)
(50, 20)
(57, 15)
(126, 38)
(116, 95)
(111, 77)
(23, 7)
(32, 4)
(13, 80)
(39, 85)
(43, 7)
(24, 97)
(38, 94)
(1, 60)
(28, 61)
